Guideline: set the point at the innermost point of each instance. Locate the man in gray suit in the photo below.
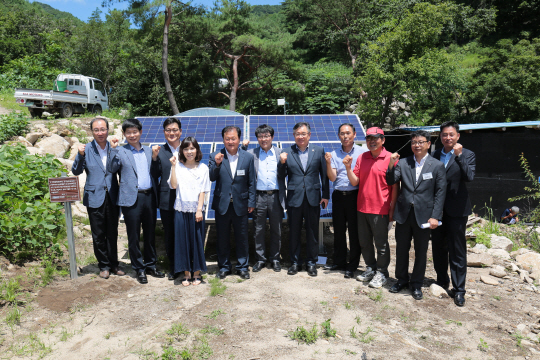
(270, 199)
(137, 197)
(419, 208)
(100, 192)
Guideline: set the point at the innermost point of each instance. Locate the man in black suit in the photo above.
(233, 171)
(449, 238)
(305, 166)
(419, 208)
(172, 128)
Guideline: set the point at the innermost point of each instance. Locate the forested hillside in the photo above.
(401, 61)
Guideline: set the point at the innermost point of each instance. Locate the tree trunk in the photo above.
(234, 87)
(386, 108)
(165, 58)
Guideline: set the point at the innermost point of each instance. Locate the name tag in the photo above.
(240, 172)
(427, 176)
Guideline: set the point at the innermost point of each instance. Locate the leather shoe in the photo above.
(141, 277)
(397, 287)
(459, 299)
(171, 276)
(417, 294)
(117, 272)
(222, 274)
(155, 273)
(276, 266)
(312, 270)
(349, 274)
(334, 267)
(104, 274)
(244, 274)
(294, 269)
(258, 266)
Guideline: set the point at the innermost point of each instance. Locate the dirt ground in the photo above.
(92, 318)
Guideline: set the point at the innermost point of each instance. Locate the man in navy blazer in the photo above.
(100, 192)
(137, 197)
(448, 240)
(305, 167)
(234, 197)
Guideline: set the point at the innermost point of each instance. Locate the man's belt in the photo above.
(269, 192)
(348, 192)
(145, 191)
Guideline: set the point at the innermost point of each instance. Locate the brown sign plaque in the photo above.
(64, 189)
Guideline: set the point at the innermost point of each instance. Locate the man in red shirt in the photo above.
(375, 205)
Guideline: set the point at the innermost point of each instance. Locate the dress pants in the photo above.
(311, 216)
(223, 228)
(104, 225)
(404, 233)
(374, 228)
(167, 219)
(344, 218)
(449, 240)
(268, 205)
(142, 212)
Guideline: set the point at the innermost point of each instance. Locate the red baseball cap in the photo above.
(374, 131)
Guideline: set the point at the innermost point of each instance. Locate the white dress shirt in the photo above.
(267, 174)
(174, 150)
(190, 184)
(233, 161)
(103, 153)
(419, 166)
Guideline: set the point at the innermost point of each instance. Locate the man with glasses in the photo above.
(344, 202)
(100, 192)
(172, 129)
(305, 166)
(419, 209)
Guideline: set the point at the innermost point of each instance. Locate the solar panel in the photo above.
(202, 128)
(323, 127)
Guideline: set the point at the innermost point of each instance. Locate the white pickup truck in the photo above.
(71, 94)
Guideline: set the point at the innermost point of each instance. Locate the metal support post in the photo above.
(71, 238)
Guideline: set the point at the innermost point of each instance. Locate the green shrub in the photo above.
(12, 125)
(29, 222)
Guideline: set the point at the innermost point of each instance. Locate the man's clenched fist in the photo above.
(328, 157)
(155, 151)
(114, 142)
(393, 159)
(347, 161)
(458, 149)
(283, 157)
(219, 158)
(81, 148)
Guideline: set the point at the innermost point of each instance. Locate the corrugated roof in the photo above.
(207, 111)
(464, 127)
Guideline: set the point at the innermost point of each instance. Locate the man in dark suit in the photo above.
(100, 192)
(305, 166)
(172, 128)
(137, 197)
(233, 171)
(419, 208)
(449, 238)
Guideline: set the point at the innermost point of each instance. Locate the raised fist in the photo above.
(458, 149)
(245, 142)
(283, 157)
(347, 161)
(81, 148)
(394, 158)
(155, 151)
(328, 157)
(219, 158)
(173, 160)
(114, 142)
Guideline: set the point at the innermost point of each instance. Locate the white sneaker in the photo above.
(366, 275)
(379, 280)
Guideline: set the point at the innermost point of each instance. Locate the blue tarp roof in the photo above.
(207, 111)
(463, 127)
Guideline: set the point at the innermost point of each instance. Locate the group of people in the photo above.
(426, 195)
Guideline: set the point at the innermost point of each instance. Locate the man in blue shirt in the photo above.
(344, 202)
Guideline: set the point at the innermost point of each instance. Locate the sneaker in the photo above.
(378, 280)
(366, 275)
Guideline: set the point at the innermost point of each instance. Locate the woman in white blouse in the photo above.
(191, 180)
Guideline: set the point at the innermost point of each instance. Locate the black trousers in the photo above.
(448, 242)
(223, 228)
(296, 217)
(373, 228)
(167, 219)
(404, 234)
(268, 205)
(344, 218)
(143, 212)
(104, 225)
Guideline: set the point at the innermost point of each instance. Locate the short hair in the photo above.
(453, 124)
(226, 129)
(423, 133)
(346, 124)
(300, 124)
(185, 143)
(97, 119)
(263, 129)
(129, 123)
(515, 209)
(170, 121)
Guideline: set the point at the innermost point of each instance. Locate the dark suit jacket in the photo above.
(162, 168)
(427, 195)
(242, 187)
(280, 180)
(307, 182)
(97, 176)
(460, 170)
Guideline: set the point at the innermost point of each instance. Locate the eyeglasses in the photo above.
(414, 143)
(97, 131)
(267, 136)
(301, 134)
(175, 130)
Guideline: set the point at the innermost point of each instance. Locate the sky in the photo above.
(83, 9)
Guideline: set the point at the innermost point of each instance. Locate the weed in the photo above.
(90, 259)
(240, 280)
(518, 336)
(13, 317)
(348, 306)
(178, 331)
(9, 290)
(497, 297)
(378, 317)
(29, 346)
(212, 330)
(171, 353)
(78, 307)
(305, 336)
(216, 287)
(350, 352)
(147, 354)
(376, 296)
(458, 323)
(358, 320)
(203, 349)
(403, 317)
(365, 337)
(324, 303)
(483, 346)
(214, 314)
(65, 335)
(327, 330)
(107, 336)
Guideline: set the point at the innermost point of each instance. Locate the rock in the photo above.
(67, 164)
(87, 228)
(479, 260)
(35, 151)
(497, 271)
(481, 247)
(23, 141)
(490, 280)
(78, 208)
(65, 132)
(523, 329)
(528, 280)
(529, 261)
(77, 232)
(521, 251)
(74, 150)
(53, 144)
(33, 137)
(437, 291)
(513, 267)
(500, 253)
(63, 122)
(535, 275)
(501, 242)
(476, 250)
(76, 122)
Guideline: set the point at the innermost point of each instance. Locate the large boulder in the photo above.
(32, 137)
(54, 144)
(530, 261)
(479, 260)
(501, 242)
(35, 151)
(500, 253)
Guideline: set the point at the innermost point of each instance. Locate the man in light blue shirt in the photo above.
(445, 157)
(344, 202)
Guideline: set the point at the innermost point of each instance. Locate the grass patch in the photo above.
(9, 290)
(214, 314)
(216, 287)
(7, 100)
(483, 345)
(518, 337)
(458, 323)
(212, 330)
(348, 306)
(327, 330)
(178, 332)
(497, 297)
(305, 336)
(31, 345)
(363, 337)
(65, 335)
(13, 317)
(376, 296)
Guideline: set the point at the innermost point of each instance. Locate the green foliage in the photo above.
(13, 317)
(483, 345)
(12, 125)
(305, 336)
(9, 290)
(212, 330)
(178, 331)
(214, 314)
(217, 287)
(29, 222)
(376, 296)
(327, 330)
